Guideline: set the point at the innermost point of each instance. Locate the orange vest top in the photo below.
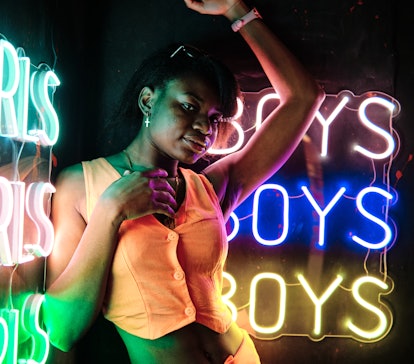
(163, 279)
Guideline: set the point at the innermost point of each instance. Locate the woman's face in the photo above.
(184, 119)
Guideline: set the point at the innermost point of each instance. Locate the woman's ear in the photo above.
(145, 100)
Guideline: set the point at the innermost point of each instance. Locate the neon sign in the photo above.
(25, 323)
(336, 211)
(12, 249)
(26, 116)
(335, 225)
(313, 317)
(14, 101)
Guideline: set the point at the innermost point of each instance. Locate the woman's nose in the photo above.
(203, 125)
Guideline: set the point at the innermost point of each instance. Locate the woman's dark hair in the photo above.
(173, 62)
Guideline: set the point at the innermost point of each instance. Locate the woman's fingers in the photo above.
(164, 202)
(154, 173)
(212, 7)
(148, 192)
(160, 184)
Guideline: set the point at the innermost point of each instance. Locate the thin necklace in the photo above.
(131, 169)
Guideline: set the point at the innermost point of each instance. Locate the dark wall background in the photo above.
(358, 45)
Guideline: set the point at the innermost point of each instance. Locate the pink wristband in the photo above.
(240, 23)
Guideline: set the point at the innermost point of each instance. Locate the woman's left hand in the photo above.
(212, 7)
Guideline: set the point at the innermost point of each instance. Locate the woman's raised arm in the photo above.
(237, 175)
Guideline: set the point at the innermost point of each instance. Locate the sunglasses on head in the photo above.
(189, 51)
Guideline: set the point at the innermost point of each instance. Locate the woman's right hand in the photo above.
(141, 193)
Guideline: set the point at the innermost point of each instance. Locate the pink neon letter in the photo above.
(6, 213)
(35, 209)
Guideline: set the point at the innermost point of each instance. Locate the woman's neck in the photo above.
(137, 155)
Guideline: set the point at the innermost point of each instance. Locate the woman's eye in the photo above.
(188, 107)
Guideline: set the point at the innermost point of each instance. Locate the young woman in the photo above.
(143, 239)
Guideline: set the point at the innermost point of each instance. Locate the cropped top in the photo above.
(163, 279)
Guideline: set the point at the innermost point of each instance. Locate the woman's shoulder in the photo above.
(70, 176)
(76, 171)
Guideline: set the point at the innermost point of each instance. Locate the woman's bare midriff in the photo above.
(191, 344)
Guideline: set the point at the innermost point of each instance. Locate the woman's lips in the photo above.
(196, 145)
